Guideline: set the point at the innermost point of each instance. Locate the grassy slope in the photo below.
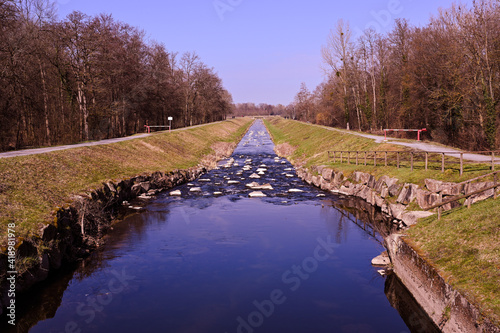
(464, 245)
(31, 187)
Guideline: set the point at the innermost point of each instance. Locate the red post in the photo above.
(148, 129)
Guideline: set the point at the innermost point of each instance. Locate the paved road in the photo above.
(418, 145)
(35, 151)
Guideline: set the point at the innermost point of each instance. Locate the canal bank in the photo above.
(58, 205)
(294, 259)
(306, 147)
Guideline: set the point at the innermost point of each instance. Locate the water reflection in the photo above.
(291, 261)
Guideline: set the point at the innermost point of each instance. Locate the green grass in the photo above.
(32, 187)
(312, 144)
(464, 245)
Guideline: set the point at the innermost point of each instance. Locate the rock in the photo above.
(411, 218)
(233, 182)
(394, 190)
(289, 175)
(382, 272)
(408, 194)
(327, 174)
(384, 192)
(396, 210)
(217, 193)
(254, 176)
(361, 177)
(144, 196)
(346, 190)
(257, 186)
(338, 179)
(320, 195)
(49, 233)
(261, 170)
(295, 190)
(433, 185)
(325, 185)
(315, 180)
(426, 199)
(371, 182)
(381, 260)
(195, 189)
(204, 180)
(176, 193)
(257, 194)
(469, 188)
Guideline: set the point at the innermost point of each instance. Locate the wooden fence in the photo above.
(495, 186)
(387, 157)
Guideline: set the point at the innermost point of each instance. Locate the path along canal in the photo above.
(215, 260)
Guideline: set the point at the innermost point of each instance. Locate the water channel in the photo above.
(215, 260)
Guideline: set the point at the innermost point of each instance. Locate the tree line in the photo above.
(92, 77)
(444, 76)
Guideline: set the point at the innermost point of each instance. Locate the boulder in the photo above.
(176, 193)
(315, 181)
(327, 174)
(426, 199)
(338, 179)
(396, 210)
(382, 260)
(407, 194)
(411, 218)
(361, 177)
(325, 185)
(49, 233)
(394, 190)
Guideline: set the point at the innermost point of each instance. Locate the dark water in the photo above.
(288, 262)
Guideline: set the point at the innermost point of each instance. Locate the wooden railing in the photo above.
(495, 185)
(385, 157)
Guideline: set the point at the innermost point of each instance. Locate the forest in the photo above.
(443, 76)
(89, 78)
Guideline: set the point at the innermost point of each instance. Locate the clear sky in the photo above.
(262, 49)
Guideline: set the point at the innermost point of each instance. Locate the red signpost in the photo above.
(405, 130)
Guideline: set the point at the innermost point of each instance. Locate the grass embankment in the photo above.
(32, 187)
(464, 245)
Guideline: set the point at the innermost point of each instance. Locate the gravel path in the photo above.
(35, 151)
(418, 145)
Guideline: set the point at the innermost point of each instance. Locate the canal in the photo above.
(208, 257)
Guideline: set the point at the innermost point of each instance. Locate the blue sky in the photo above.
(262, 50)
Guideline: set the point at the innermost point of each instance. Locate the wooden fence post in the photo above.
(385, 158)
(365, 158)
(461, 163)
(374, 158)
(492, 161)
(426, 160)
(341, 153)
(334, 154)
(411, 162)
(397, 159)
(442, 162)
(349, 157)
(495, 188)
(357, 153)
